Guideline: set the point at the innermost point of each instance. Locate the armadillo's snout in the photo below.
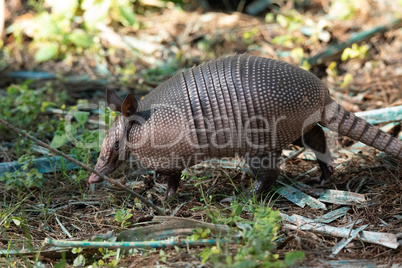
(94, 178)
(105, 166)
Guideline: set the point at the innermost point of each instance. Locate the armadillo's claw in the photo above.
(94, 178)
(170, 194)
(229, 199)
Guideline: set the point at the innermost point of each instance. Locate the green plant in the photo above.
(6, 213)
(291, 20)
(257, 245)
(355, 51)
(162, 255)
(316, 31)
(343, 9)
(249, 36)
(161, 72)
(22, 105)
(122, 216)
(212, 214)
(346, 80)
(6, 221)
(79, 261)
(298, 55)
(71, 25)
(258, 234)
(73, 129)
(269, 17)
(200, 233)
(332, 70)
(107, 254)
(24, 179)
(287, 40)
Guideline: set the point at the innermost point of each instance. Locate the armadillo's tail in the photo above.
(337, 119)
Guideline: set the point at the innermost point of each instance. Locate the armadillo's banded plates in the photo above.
(234, 105)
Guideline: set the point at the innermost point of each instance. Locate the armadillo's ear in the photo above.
(130, 106)
(113, 100)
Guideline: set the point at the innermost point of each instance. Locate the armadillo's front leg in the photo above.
(266, 171)
(173, 184)
(315, 140)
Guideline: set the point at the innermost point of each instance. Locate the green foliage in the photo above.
(258, 235)
(355, 51)
(287, 40)
(84, 142)
(332, 70)
(343, 9)
(6, 221)
(346, 80)
(162, 255)
(257, 244)
(269, 17)
(106, 255)
(79, 261)
(212, 214)
(122, 216)
(71, 25)
(206, 45)
(398, 12)
(209, 253)
(298, 55)
(162, 72)
(291, 20)
(67, 131)
(59, 138)
(200, 233)
(46, 52)
(24, 179)
(249, 36)
(108, 10)
(76, 132)
(22, 105)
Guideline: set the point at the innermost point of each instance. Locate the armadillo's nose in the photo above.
(94, 178)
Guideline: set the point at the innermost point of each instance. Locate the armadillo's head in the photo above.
(114, 150)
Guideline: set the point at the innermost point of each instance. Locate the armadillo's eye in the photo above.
(116, 145)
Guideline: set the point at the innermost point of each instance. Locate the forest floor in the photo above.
(171, 40)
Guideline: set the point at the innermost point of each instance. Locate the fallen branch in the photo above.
(305, 224)
(141, 244)
(356, 38)
(103, 176)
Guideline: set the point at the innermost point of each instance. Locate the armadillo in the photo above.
(239, 105)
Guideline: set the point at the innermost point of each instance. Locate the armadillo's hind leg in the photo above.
(266, 171)
(173, 184)
(315, 140)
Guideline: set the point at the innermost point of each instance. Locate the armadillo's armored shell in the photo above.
(235, 105)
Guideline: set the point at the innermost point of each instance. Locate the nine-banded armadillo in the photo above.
(240, 105)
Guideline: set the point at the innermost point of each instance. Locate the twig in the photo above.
(103, 176)
(63, 228)
(293, 156)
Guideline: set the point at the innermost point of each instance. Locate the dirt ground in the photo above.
(190, 37)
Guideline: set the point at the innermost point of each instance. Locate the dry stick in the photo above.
(103, 176)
